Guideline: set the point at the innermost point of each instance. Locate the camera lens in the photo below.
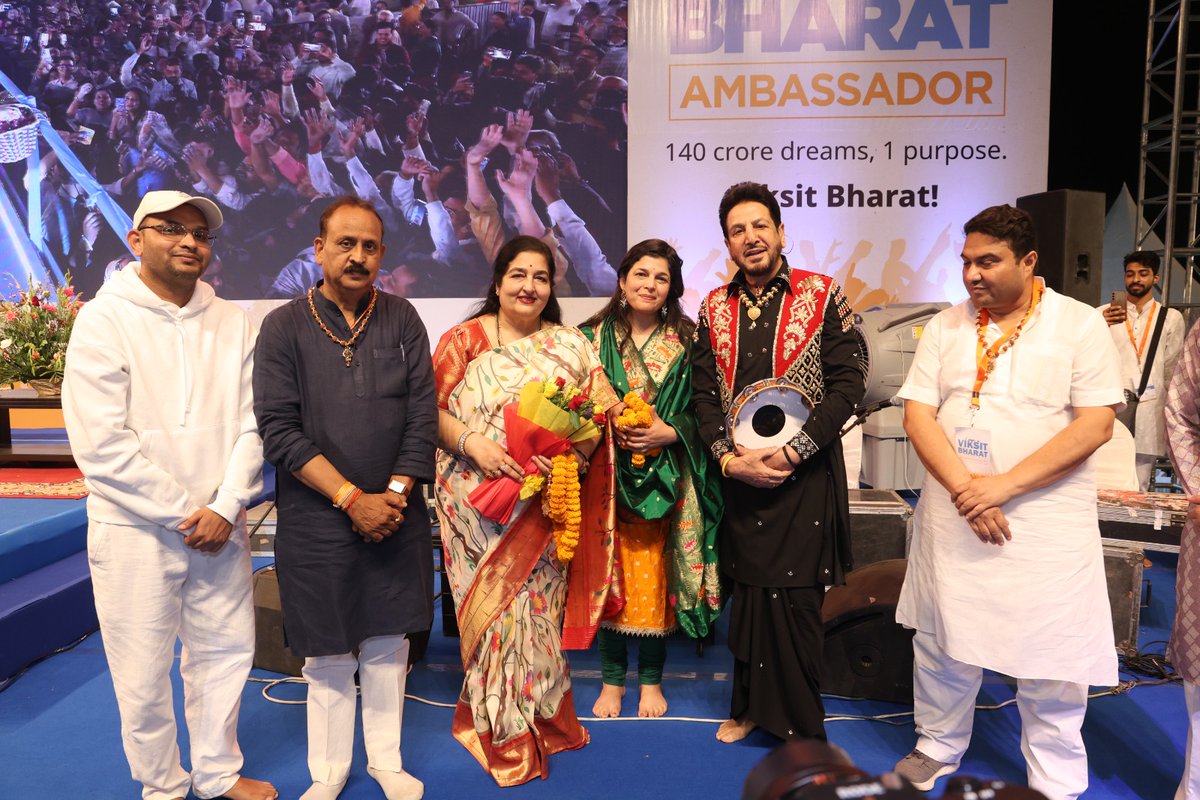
(784, 773)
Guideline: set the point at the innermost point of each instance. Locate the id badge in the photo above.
(974, 447)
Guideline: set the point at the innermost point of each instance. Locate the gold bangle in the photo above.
(725, 459)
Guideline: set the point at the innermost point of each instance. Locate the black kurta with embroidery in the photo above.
(373, 419)
(781, 545)
(798, 533)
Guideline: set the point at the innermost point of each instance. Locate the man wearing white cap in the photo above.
(158, 409)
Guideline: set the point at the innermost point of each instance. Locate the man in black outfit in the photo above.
(785, 534)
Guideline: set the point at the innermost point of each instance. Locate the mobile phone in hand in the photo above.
(1119, 299)
(85, 135)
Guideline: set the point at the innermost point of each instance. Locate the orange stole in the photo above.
(527, 756)
(594, 587)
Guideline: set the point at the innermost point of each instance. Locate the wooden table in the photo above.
(40, 453)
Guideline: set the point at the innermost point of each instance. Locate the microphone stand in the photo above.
(862, 412)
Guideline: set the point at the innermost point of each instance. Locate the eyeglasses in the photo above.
(175, 231)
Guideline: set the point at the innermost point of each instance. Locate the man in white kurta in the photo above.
(1132, 329)
(158, 410)
(1006, 569)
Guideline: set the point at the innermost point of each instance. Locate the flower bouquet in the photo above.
(547, 420)
(34, 331)
(637, 414)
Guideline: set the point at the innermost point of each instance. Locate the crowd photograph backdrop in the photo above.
(881, 126)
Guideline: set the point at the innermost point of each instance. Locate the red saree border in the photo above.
(500, 577)
(526, 756)
(594, 584)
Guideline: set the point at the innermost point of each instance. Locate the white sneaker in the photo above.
(922, 771)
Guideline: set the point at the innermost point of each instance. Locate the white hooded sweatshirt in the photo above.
(158, 405)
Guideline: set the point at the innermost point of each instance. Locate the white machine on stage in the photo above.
(889, 336)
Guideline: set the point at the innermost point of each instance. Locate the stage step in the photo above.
(44, 610)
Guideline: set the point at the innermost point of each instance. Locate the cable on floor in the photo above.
(11, 679)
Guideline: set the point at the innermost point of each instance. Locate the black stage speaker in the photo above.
(867, 653)
(270, 653)
(1070, 238)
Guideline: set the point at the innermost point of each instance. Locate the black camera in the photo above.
(815, 770)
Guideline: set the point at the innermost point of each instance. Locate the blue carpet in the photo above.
(59, 732)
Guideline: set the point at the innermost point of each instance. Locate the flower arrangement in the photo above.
(547, 420)
(637, 414)
(34, 331)
(561, 505)
(14, 116)
(560, 502)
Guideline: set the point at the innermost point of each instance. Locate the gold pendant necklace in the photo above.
(754, 307)
(360, 324)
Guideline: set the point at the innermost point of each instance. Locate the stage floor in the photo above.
(59, 731)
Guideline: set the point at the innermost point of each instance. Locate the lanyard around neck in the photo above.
(985, 357)
(1140, 349)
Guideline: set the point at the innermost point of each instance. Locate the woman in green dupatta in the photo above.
(668, 510)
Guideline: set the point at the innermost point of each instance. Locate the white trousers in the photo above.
(1189, 785)
(944, 693)
(150, 589)
(382, 667)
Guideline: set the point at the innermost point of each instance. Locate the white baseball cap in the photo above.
(158, 202)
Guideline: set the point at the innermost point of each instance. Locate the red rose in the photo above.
(599, 419)
(576, 403)
(561, 381)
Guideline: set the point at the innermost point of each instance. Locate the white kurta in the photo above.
(1038, 606)
(1149, 430)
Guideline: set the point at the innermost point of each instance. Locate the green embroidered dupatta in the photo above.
(679, 482)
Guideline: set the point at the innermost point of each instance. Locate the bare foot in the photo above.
(652, 703)
(249, 789)
(609, 702)
(734, 730)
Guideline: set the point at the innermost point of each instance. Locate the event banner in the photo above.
(880, 125)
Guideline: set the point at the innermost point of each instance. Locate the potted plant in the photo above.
(34, 331)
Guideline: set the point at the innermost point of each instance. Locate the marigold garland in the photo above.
(637, 414)
(561, 505)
